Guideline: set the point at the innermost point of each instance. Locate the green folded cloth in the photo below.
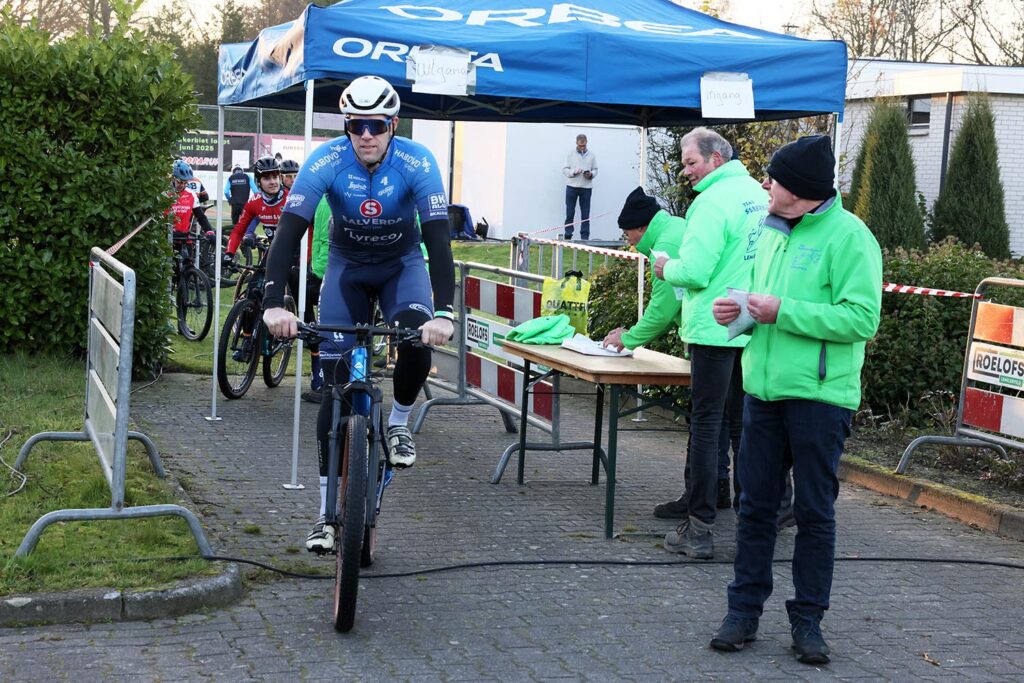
(547, 329)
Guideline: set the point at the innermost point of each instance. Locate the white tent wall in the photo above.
(511, 173)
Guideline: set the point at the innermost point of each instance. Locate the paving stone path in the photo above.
(897, 621)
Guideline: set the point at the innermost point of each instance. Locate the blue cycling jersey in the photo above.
(374, 212)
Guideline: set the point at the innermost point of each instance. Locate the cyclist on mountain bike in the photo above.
(289, 169)
(264, 208)
(186, 202)
(375, 183)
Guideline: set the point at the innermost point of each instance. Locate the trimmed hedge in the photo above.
(89, 124)
(919, 348)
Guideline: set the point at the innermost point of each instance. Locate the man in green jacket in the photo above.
(317, 266)
(723, 224)
(816, 300)
(651, 230)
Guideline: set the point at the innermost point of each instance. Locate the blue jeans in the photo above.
(816, 433)
(716, 390)
(571, 195)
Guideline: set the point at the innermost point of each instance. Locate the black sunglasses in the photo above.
(359, 126)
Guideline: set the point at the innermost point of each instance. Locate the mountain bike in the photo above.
(244, 341)
(190, 290)
(357, 442)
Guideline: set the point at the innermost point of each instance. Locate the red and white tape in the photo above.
(632, 255)
(927, 291)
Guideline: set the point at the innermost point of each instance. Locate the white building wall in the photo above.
(511, 173)
(926, 146)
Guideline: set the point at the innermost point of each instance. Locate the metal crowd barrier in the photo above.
(108, 377)
(473, 366)
(991, 411)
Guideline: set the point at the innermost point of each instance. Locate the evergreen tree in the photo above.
(850, 201)
(971, 204)
(887, 192)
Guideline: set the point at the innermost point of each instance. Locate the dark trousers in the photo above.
(571, 195)
(716, 390)
(816, 433)
(236, 213)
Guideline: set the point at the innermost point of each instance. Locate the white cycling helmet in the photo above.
(368, 95)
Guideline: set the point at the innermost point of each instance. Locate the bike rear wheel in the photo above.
(275, 363)
(353, 523)
(239, 352)
(194, 303)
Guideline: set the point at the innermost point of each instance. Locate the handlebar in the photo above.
(313, 332)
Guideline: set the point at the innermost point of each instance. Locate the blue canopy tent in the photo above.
(639, 63)
(636, 63)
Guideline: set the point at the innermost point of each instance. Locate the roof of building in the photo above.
(870, 78)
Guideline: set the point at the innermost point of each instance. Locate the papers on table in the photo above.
(584, 344)
(744, 323)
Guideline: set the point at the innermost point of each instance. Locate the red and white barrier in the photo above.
(507, 384)
(927, 291)
(513, 303)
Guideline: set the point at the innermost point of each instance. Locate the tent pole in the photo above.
(451, 161)
(303, 264)
(643, 157)
(217, 265)
(837, 144)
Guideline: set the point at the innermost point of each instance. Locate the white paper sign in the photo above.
(440, 70)
(726, 96)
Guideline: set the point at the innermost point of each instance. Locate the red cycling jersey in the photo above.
(182, 208)
(266, 210)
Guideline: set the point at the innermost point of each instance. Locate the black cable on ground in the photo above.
(601, 563)
(540, 564)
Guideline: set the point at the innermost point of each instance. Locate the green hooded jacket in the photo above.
(828, 273)
(664, 234)
(321, 240)
(719, 243)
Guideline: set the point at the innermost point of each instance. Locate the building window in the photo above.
(919, 111)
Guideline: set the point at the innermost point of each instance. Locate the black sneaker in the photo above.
(401, 449)
(313, 396)
(734, 633)
(724, 499)
(674, 509)
(320, 538)
(808, 643)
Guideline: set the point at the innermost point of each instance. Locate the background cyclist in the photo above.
(375, 183)
(289, 169)
(186, 205)
(264, 208)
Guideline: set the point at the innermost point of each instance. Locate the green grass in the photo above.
(46, 393)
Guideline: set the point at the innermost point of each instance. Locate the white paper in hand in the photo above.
(655, 255)
(744, 322)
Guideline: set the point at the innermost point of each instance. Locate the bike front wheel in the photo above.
(195, 304)
(278, 352)
(239, 352)
(353, 523)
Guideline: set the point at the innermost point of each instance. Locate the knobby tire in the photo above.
(234, 382)
(353, 523)
(194, 303)
(275, 365)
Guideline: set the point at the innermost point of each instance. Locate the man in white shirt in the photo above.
(580, 168)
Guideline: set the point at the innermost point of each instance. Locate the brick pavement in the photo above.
(889, 621)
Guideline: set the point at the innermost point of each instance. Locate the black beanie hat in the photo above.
(638, 210)
(806, 167)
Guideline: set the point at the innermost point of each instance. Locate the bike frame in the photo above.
(366, 399)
